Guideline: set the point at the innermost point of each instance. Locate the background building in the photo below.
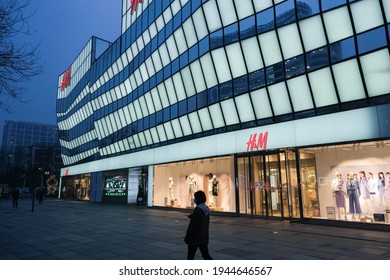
(258, 103)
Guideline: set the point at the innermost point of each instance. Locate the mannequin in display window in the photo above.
(372, 186)
(171, 188)
(215, 186)
(192, 189)
(353, 191)
(339, 194)
(387, 190)
(210, 189)
(365, 191)
(381, 189)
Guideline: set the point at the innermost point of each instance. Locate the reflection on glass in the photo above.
(310, 199)
(342, 50)
(371, 40)
(285, 13)
(329, 4)
(317, 59)
(231, 33)
(265, 21)
(247, 27)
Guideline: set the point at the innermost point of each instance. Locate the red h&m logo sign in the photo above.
(257, 142)
(134, 4)
(66, 79)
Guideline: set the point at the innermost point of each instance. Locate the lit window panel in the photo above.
(140, 43)
(169, 130)
(376, 69)
(338, 24)
(137, 143)
(176, 6)
(300, 94)
(150, 67)
(132, 112)
(185, 125)
(146, 37)
(180, 91)
(244, 8)
(160, 23)
(236, 60)
(323, 90)
(279, 99)
(270, 48)
(176, 128)
(205, 119)
(118, 120)
(289, 40)
(129, 54)
(144, 72)
(180, 40)
(153, 30)
(197, 75)
(156, 99)
(261, 104)
(128, 86)
(154, 133)
(163, 95)
(138, 109)
(127, 115)
(221, 65)
(142, 103)
(261, 5)
(212, 16)
(170, 91)
(200, 26)
(208, 70)
(252, 54)
(167, 14)
(133, 82)
(344, 73)
(244, 108)
(229, 111)
(216, 115)
(157, 61)
(227, 11)
(361, 9)
(172, 48)
(134, 49)
(189, 32)
(130, 140)
(126, 144)
(164, 54)
(149, 102)
(142, 139)
(195, 123)
(161, 133)
(188, 83)
(148, 137)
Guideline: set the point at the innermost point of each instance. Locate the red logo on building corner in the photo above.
(134, 4)
(66, 79)
(257, 142)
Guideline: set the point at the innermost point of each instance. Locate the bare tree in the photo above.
(19, 60)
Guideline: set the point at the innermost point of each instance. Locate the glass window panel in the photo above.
(372, 40)
(322, 86)
(138, 77)
(317, 59)
(307, 8)
(295, 66)
(216, 39)
(163, 95)
(270, 47)
(154, 133)
(167, 14)
(244, 8)
(338, 24)
(275, 73)
(156, 99)
(138, 109)
(160, 23)
(142, 139)
(342, 50)
(290, 41)
(143, 71)
(360, 12)
(208, 70)
(144, 108)
(156, 61)
(265, 21)
(247, 27)
(172, 48)
(216, 115)
(164, 54)
(327, 5)
(227, 11)
(161, 133)
(127, 115)
(146, 37)
(261, 104)
(153, 30)
(236, 60)
(212, 16)
(170, 90)
(229, 112)
(185, 124)
(149, 102)
(188, 83)
(180, 40)
(376, 69)
(197, 75)
(345, 73)
(252, 54)
(150, 67)
(226, 90)
(180, 91)
(195, 123)
(240, 85)
(148, 137)
(200, 26)
(386, 5)
(312, 33)
(285, 13)
(205, 119)
(230, 33)
(262, 4)
(176, 128)
(244, 108)
(300, 94)
(189, 32)
(221, 65)
(279, 99)
(169, 130)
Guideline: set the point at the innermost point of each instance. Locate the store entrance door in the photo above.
(264, 182)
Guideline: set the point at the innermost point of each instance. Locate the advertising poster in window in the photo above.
(115, 189)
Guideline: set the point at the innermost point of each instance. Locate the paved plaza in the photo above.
(66, 230)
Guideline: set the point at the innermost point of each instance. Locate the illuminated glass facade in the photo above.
(194, 80)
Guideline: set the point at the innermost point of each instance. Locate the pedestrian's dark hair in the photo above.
(200, 197)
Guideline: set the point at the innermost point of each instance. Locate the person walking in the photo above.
(197, 234)
(15, 196)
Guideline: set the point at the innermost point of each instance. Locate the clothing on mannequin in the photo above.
(171, 188)
(339, 194)
(353, 191)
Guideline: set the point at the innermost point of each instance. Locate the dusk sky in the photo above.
(62, 28)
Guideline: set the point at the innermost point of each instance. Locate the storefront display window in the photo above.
(347, 182)
(76, 187)
(176, 183)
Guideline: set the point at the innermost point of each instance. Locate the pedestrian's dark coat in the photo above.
(198, 228)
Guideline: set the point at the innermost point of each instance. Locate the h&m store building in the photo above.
(276, 109)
